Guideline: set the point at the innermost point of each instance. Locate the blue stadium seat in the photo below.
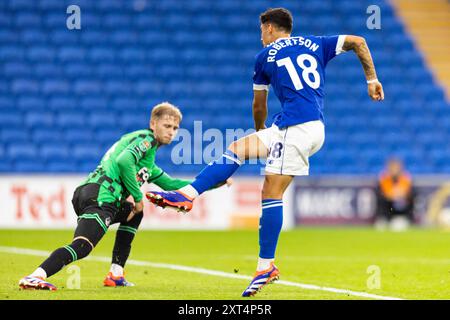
(6, 166)
(14, 135)
(26, 19)
(78, 135)
(118, 88)
(71, 54)
(177, 22)
(87, 4)
(62, 103)
(102, 54)
(17, 69)
(203, 22)
(86, 166)
(54, 18)
(23, 151)
(131, 122)
(132, 55)
(43, 136)
(41, 54)
(64, 37)
(121, 104)
(71, 119)
(45, 69)
(22, 5)
(87, 152)
(32, 103)
(102, 120)
(105, 5)
(39, 119)
(55, 152)
(87, 87)
(150, 36)
(123, 38)
(4, 87)
(108, 71)
(90, 20)
(94, 37)
(25, 86)
(108, 136)
(6, 103)
(29, 166)
(7, 37)
(55, 86)
(32, 37)
(150, 87)
(10, 120)
(51, 5)
(79, 70)
(66, 166)
(94, 103)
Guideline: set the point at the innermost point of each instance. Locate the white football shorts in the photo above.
(291, 147)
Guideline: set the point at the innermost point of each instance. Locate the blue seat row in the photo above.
(66, 96)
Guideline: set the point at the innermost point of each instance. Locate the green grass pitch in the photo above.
(412, 265)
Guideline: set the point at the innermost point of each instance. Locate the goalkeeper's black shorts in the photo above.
(88, 210)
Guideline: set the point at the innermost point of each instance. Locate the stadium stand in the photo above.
(66, 95)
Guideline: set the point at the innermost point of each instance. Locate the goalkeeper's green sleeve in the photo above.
(168, 183)
(126, 162)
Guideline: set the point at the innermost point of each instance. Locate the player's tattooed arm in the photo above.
(359, 46)
(259, 109)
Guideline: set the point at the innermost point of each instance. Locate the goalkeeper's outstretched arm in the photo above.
(167, 183)
(359, 46)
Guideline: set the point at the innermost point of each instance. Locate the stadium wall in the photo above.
(344, 200)
(45, 202)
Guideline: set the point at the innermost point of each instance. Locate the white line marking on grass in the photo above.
(445, 261)
(41, 253)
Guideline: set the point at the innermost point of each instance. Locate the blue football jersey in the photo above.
(295, 68)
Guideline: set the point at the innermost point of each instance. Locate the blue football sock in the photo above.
(216, 172)
(270, 225)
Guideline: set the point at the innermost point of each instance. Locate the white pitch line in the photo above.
(41, 253)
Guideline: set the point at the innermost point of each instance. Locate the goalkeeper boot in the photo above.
(112, 281)
(35, 283)
(171, 199)
(260, 279)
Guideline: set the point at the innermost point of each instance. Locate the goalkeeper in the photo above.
(101, 199)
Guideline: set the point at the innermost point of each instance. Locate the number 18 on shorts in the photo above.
(291, 147)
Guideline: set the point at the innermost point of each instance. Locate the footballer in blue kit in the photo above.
(294, 66)
(285, 63)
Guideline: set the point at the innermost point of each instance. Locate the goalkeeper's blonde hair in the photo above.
(166, 108)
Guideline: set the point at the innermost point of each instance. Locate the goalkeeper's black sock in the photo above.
(65, 255)
(57, 260)
(124, 237)
(122, 247)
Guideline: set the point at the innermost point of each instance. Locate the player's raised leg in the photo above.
(213, 175)
(270, 225)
